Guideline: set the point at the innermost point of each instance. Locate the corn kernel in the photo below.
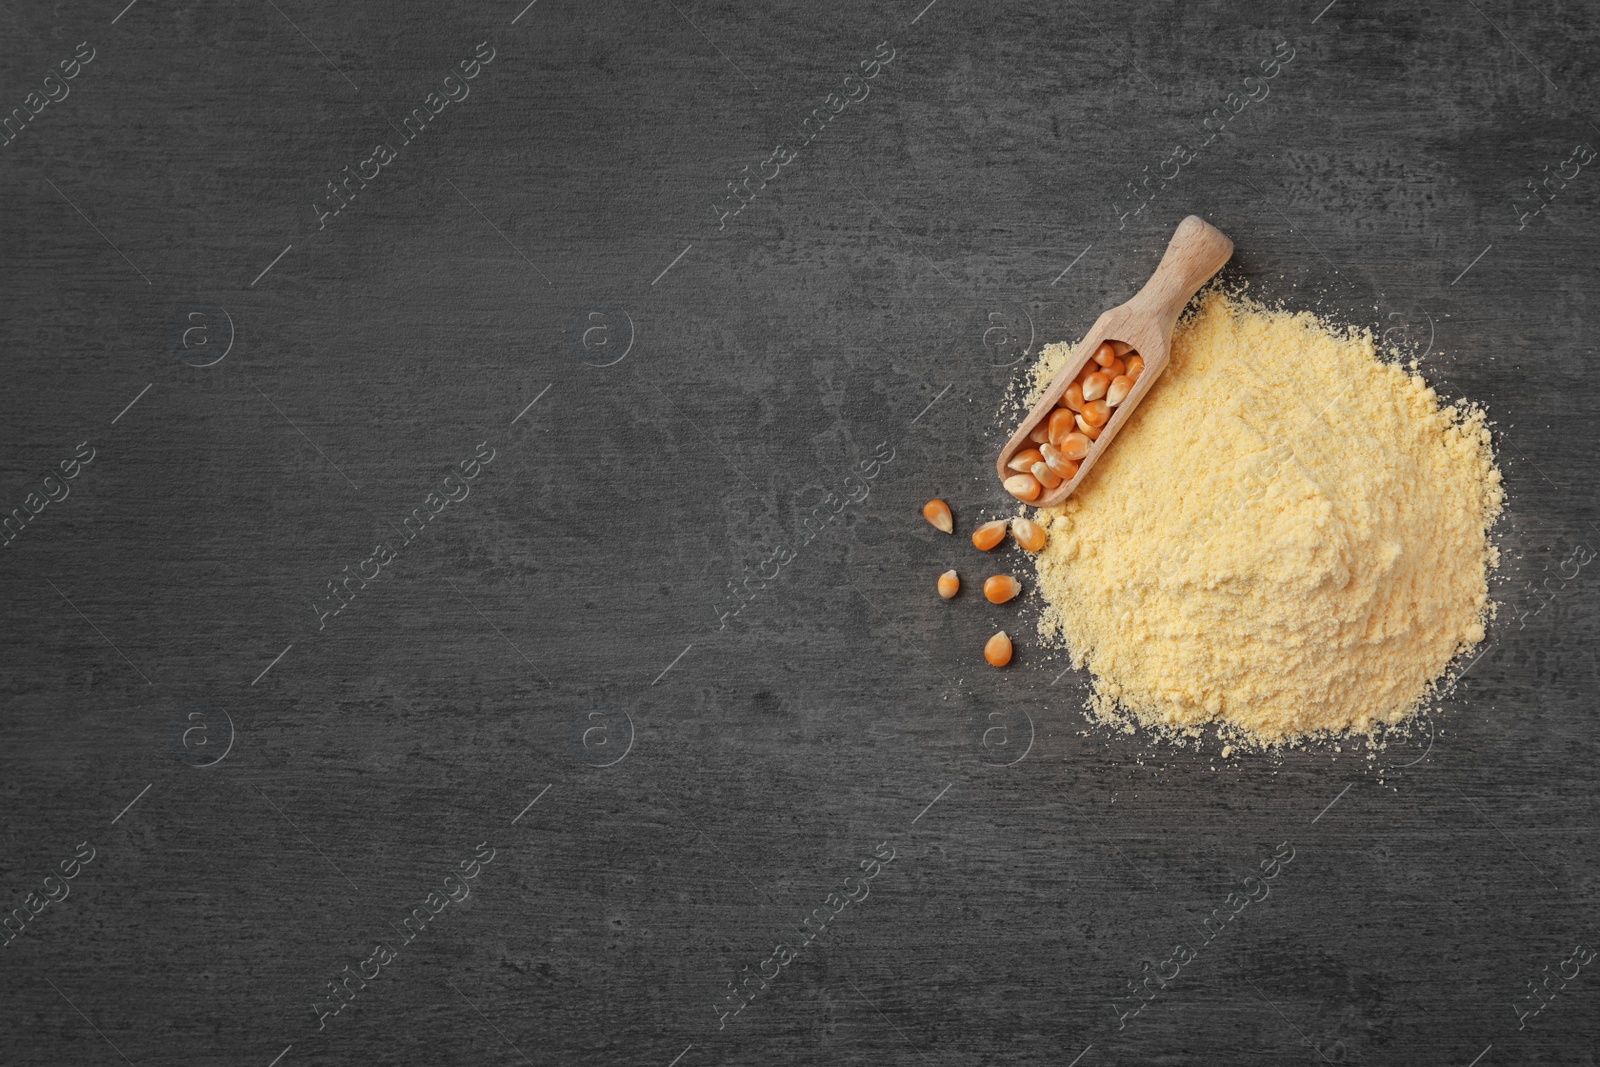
(1023, 459)
(1119, 389)
(999, 588)
(1074, 446)
(1048, 478)
(949, 584)
(1073, 397)
(1096, 412)
(1022, 486)
(1029, 534)
(1104, 354)
(938, 513)
(997, 650)
(990, 533)
(1058, 462)
(1094, 387)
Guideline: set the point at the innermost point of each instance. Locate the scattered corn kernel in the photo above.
(1074, 446)
(1048, 478)
(997, 650)
(938, 513)
(992, 533)
(1096, 412)
(1119, 389)
(949, 584)
(1023, 459)
(1000, 588)
(1094, 387)
(1022, 486)
(1105, 353)
(1029, 534)
(1073, 397)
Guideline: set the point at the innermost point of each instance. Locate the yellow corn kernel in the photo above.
(1061, 421)
(1048, 478)
(991, 533)
(1073, 397)
(1074, 446)
(1119, 389)
(997, 650)
(1029, 534)
(1058, 462)
(1022, 486)
(1023, 459)
(949, 584)
(1135, 367)
(999, 588)
(1089, 429)
(938, 513)
(1104, 354)
(1094, 387)
(1096, 412)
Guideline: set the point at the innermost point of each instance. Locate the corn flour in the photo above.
(1288, 539)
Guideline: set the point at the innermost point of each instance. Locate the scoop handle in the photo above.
(1196, 252)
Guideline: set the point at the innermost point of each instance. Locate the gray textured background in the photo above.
(709, 399)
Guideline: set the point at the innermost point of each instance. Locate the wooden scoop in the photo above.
(1144, 324)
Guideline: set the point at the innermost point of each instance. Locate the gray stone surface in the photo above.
(267, 793)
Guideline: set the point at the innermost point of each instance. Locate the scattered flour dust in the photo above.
(1290, 538)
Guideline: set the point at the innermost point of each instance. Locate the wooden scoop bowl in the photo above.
(1197, 251)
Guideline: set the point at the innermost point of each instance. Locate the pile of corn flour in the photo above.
(1289, 538)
